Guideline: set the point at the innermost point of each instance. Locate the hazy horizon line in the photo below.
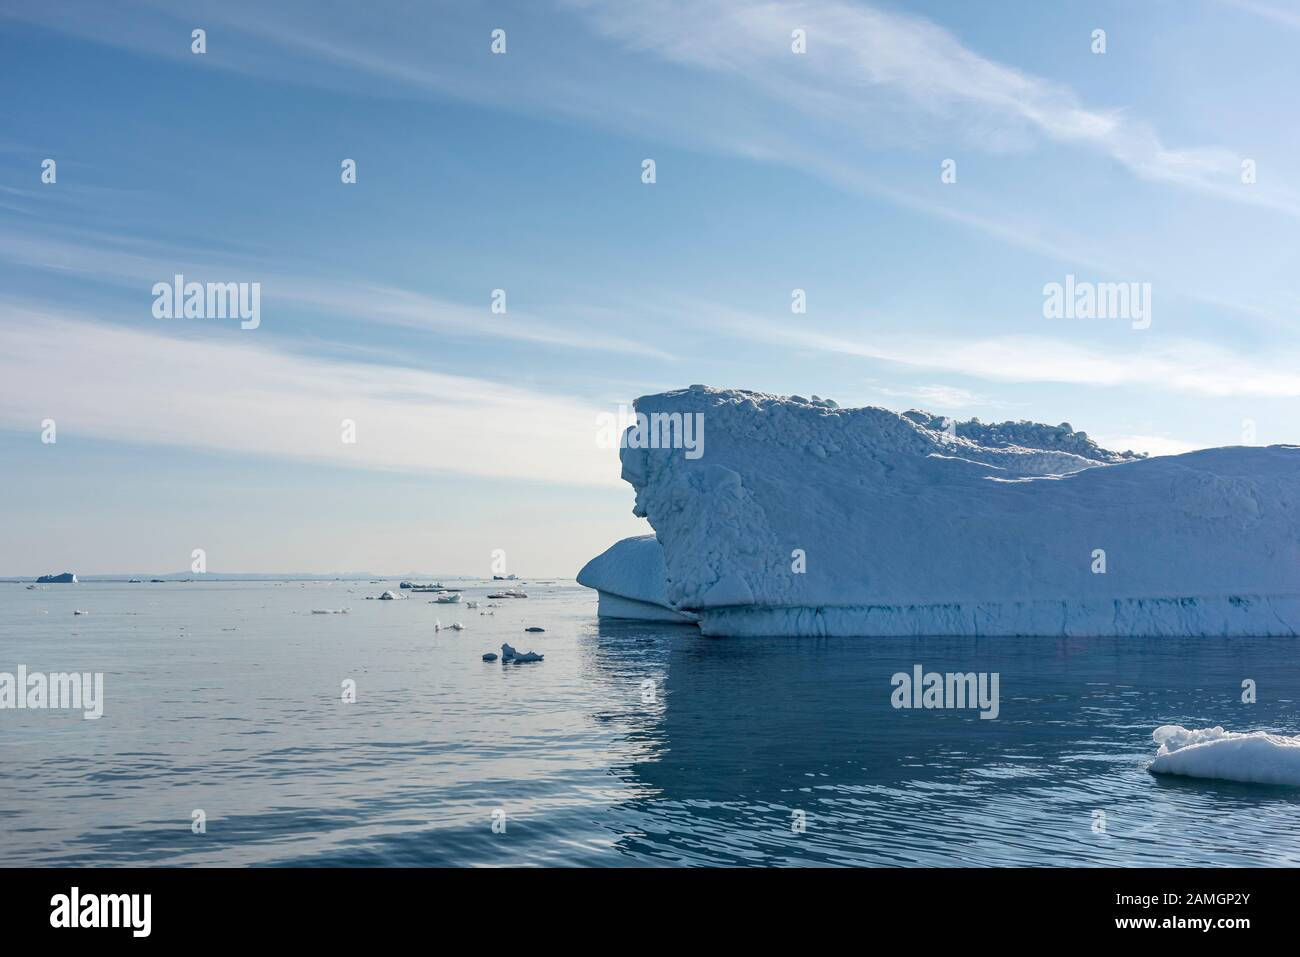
(271, 576)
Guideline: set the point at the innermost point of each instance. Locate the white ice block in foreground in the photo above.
(1253, 757)
(790, 516)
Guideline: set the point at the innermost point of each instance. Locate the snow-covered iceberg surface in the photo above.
(632, 581)
(793, 516)
(1253, 757)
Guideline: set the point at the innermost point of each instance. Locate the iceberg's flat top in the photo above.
(1254, 757)
(882, 509)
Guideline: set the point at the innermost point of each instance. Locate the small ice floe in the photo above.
(78, 611)
(490, 656)
(458, 626)
(448, 599)
(388, 596)
(508, 593)
(1251, 757)
(509, 654)
(329, 611)
(534, 628)
(471, 604)
(494, 604)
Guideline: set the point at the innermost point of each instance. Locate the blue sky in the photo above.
(775, 171)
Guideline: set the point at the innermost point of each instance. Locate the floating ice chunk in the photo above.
(1252, 757)
(534, 628)
(329, 611)
(490, 656)
(387, 596)
(509, 654)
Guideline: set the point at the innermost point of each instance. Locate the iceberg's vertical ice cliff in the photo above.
(792, 516)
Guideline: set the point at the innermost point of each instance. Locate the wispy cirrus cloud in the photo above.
(938, 395)
(236, 394)
(1287, 18)
(1150, 444)
(880, 93)
(1164, 364)
(871, 62)
(130, 262)
(881, 76)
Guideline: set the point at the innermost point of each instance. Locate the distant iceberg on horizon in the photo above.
(791, 516)
(66, 578)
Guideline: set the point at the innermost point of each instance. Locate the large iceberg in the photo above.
(778, 515)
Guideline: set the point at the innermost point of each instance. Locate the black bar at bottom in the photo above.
(304, 905)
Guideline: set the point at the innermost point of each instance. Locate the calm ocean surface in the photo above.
(226, 697)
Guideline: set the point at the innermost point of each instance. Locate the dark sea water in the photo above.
(631, 744)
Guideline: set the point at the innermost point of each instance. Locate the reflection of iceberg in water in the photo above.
(744, 741)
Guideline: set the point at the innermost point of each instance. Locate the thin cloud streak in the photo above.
(937, 396)
(108, 382)
(1165, 364)
(862, 50)
(365, 302)
(1288, 18)
(1150, 444)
